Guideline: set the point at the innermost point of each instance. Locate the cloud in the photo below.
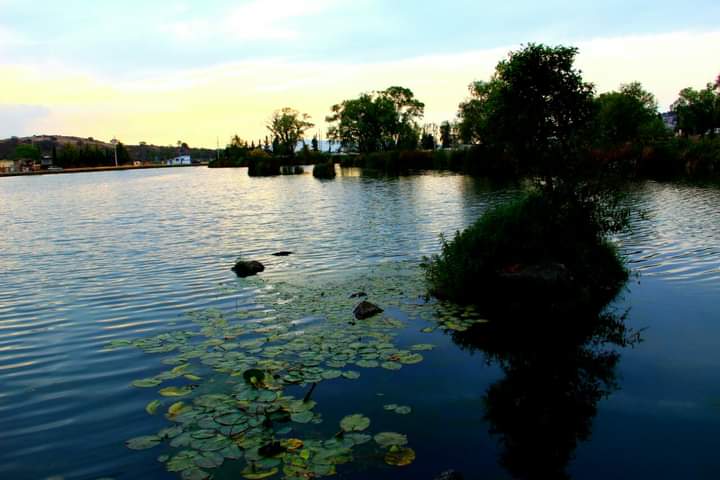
(201, 104)
(255, 20)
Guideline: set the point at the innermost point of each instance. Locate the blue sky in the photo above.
(119, 37)
(111, 43)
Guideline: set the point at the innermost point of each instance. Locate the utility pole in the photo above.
(115, 142)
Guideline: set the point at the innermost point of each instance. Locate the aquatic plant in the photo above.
(324, 170)
(231, 377)
(534, 253)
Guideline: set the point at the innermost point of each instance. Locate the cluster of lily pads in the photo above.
(229, 377)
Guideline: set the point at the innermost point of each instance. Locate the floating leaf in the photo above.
(355, 423)
(388, 439)
(152, 407)
(403, 410)
(391, 365)
(302, 417)
(367, 363)
(400, 456)
(351, 375)
(143, 443)
(175, 408)
(175, 391)
(146, 383)
(252, 474)
(391, 407)
(422, 347)
(411, 359)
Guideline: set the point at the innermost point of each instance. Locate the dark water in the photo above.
(90, 258)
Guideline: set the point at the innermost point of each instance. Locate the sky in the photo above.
(202, 71)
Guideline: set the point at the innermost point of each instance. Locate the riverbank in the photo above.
(96, 169)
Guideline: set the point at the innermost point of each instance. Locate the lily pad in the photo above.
(143, 443)
(354, 423)
(146, 383)
(175, 391)
(388, 439)
(351, 375)
(302, 417)
(253, 474)
(151, 408)
(400, 456)
(391, 365)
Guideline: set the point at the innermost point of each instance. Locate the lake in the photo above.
(110, 278)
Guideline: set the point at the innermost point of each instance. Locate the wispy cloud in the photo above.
(202, 103)
(255, 20)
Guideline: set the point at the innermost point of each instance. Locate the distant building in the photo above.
(8, 166)
(671, 120)
(46, 161)
(178, 161)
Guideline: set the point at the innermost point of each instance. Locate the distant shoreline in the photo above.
(96, 169)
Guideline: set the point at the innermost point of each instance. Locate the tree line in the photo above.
(504, 120)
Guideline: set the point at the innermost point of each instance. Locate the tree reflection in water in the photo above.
(556, 372)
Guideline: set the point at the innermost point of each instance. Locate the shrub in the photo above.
(261, 164)
(480, 265)
(324, 170)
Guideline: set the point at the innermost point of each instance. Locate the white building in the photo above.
(178, 161)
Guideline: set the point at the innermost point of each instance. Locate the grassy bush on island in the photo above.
(530, 251)
(262, 164)
(325, 170)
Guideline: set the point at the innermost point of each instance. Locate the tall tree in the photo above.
(446, 135)
(288, 127)
(698, 111)
(535, 109)
(377, 121)
(627, 115)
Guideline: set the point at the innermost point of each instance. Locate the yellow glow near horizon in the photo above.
(198, 106)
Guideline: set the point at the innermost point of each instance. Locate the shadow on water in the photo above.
(556, 371)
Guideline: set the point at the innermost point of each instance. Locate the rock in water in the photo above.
(247, 269)
(358, 295)
(366, 310)
(282, 254)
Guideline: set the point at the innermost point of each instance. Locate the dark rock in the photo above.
(282, 254)
(449, 475)
(366, 310)
(358, 295)
(248, 269)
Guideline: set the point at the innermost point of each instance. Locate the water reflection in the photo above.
(556, 371)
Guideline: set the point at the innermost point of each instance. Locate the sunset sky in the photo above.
(164, 71)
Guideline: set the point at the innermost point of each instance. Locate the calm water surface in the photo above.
(86, 259)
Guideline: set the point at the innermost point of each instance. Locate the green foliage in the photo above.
(261, 164)
(78, 156)
(427, 142)
(446, 135)
(123, 156)
(379, 121)
(26, 152)
(698, 111)
(627, 115)
(537, 229)
(288, 126)
(702, 158)
(325, 170)
(536, 108)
